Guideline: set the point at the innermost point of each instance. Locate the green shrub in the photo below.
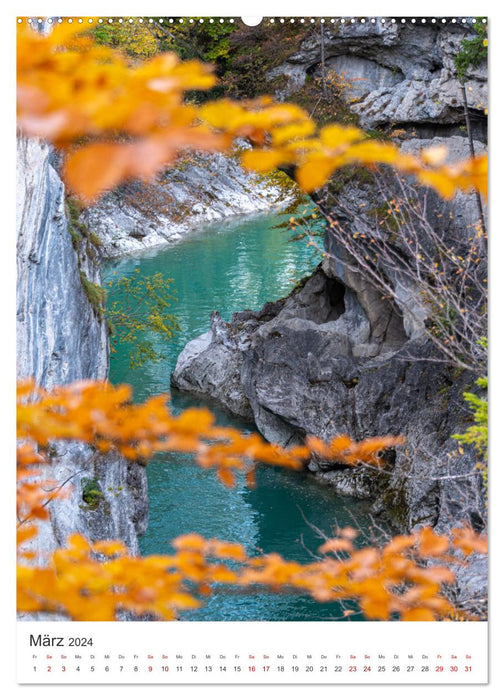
(95, 293)
(91, 492)
(472, 51)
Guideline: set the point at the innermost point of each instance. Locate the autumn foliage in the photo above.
(104, 416)
(117, 121)
(98, 581)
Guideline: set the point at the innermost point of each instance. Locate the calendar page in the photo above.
(252, 318)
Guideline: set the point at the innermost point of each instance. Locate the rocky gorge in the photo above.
(336, 355)
(62, 333)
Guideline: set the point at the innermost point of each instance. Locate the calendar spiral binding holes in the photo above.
(267, 20)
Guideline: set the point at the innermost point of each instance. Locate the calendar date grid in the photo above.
(264, 665)
(253, 653)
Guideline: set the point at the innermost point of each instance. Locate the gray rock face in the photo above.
(363, 75)
(210, 379)
(203, 189)
(60, 340)
(310, 365)
(434, 101)
(398, 74)
(360, 207)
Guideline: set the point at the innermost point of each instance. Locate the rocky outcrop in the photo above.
(61, 338)
(200, 189)
(315, 364)
(395, 74)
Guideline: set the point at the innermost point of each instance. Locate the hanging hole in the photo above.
(251, 21)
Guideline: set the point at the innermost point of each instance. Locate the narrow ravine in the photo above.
(229, 267)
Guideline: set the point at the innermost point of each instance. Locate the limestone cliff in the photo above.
(395, 74)
(61, 338)
(199, 189)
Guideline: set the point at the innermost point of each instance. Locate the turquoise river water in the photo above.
(230, 267)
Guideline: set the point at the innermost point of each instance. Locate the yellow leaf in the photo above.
(439, 181)
(334, 136)
(291, 132)
(78, 543)
(314, 173)
(262, 161)
(435, 155)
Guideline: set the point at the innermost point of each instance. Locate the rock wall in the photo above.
(396, 74)
(60, 339)
(199, 189)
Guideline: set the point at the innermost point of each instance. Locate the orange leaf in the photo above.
(418, 615)
(431, 544)
(399, 544)
(336, 545)
(469, 541)
(376, 608)
(189, 541)
(96, 168)
(227, 550)
(314, 173)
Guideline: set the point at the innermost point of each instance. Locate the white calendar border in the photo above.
(265, 8)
